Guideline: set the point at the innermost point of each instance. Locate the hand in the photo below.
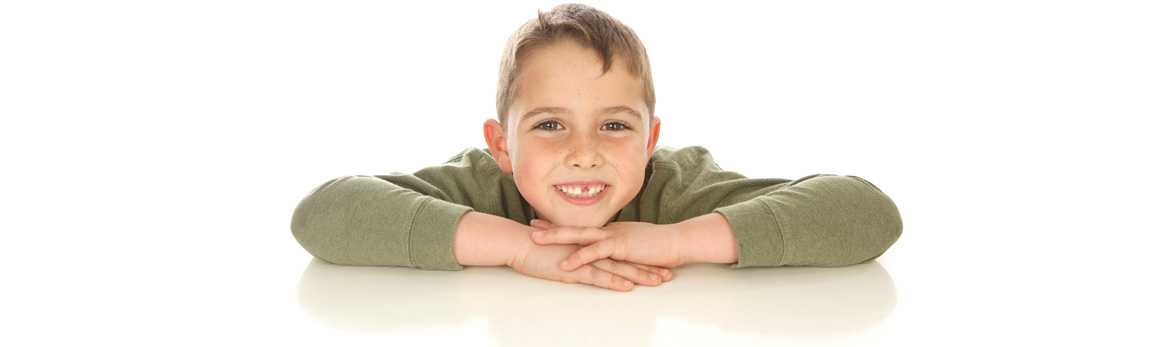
(541, 261)
(637, 242)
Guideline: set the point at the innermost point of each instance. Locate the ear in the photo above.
(496, 141)
(654, 134)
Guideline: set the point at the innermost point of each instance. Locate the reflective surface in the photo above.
(518, 309)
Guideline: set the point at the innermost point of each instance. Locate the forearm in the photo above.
(707, 239)
(364, 220)
(484, 239)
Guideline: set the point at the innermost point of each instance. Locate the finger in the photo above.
(629, 271)
(665, 274)
(541, 224)
(596, 251)
(604, 279)
(569, 235)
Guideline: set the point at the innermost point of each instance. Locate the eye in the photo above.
(616, 126)
(549, 125)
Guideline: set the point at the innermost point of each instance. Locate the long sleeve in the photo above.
(400, 219)
(817, 220)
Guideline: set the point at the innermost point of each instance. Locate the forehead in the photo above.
(565, 74)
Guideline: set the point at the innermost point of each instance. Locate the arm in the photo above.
(826, 230)
(488, 240)
(818, 220)
(402, 219)
(440, 218)
(715, 216)
(707, 239)
(365, 220)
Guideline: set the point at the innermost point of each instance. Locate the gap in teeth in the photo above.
(581, 191)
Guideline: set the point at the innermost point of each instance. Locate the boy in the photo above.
(571, 187)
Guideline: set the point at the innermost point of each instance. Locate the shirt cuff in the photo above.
(758, 233)
(430, 245)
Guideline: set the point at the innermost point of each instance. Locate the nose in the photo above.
(584, 154)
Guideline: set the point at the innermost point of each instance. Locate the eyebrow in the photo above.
(562, 110)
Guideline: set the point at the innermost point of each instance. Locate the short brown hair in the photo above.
(588, 26)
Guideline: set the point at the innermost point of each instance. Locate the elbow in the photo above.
(882, 222)
(886, 231)
(305, 223)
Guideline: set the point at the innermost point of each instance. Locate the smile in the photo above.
(582, 194)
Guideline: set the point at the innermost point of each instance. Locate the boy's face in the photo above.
(576, 142)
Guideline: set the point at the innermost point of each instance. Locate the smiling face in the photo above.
(576, 141)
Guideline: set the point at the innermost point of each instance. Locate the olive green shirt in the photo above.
(409, 220)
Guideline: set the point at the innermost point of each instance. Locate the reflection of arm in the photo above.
(817, 220)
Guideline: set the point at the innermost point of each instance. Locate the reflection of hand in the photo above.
(637, 242)
(542, 261)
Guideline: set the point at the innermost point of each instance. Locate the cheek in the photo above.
(530, 172)
(629, 162)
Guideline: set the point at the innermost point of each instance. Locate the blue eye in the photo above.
(548, 126)
(619, 126)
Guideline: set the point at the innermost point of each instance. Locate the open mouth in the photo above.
(582, 194)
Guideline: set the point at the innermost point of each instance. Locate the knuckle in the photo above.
(602, 278)
(638, 275)
(621, 272)
(650, 278)
(621, 283)
(626, 271)
(615, 281)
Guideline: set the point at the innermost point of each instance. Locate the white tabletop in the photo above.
(705, 300)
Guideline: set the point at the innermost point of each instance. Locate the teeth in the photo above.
(581, 191)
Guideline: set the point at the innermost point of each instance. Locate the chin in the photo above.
(590, 221)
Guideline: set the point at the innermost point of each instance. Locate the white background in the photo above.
(153, 152)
